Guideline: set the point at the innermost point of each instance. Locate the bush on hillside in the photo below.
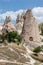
(37, 50)
(11, 37)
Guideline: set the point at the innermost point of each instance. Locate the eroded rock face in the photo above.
(19, 23)
(8, 26)
(30, 31)
(26, 25)
(1, 26)
(29, 27)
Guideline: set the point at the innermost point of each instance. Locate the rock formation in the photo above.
(8, 26)
(1, 26)
(19, 23)
(25, 24)
(7, 20)
(30, 30)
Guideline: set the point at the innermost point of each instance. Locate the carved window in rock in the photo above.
(31, 38)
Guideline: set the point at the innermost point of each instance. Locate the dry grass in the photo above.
(8, 54)
(3, 63)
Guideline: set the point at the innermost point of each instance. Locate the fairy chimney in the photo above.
(7, 20)
(30, 31)
(19, 23)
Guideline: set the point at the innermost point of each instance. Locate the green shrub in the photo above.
(37, 50)
(41, 40)
(11, 37)
(19, 38)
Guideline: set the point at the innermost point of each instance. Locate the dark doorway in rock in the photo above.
(31, 38)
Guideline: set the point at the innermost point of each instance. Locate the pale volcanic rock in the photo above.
(30, 31)
(1, 26)
(8, 26)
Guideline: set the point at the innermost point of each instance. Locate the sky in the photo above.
(14, 7)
